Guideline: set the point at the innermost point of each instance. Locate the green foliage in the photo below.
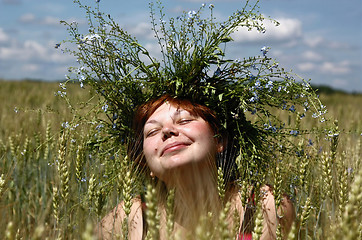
(244, 93)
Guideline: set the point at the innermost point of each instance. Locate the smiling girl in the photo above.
(179, 144)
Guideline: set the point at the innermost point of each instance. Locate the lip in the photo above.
(173, 147)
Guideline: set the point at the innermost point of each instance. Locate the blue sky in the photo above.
(319, 39)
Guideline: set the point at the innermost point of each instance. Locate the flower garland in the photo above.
(245, 93)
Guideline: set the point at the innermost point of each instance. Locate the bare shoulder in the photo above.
(111, 225)
(284, 215)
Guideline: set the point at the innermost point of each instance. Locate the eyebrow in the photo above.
(176, 113)
(151, 121)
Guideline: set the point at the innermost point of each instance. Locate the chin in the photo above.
(179, 162)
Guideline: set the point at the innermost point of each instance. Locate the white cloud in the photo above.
(27, 18)
(306, 66)
(312, 56)
(336, 68)
(320, 42)
(328, 68)
(314, 41)
(142, 30)
(3, 36)
(288, 30)
(30, 18)
(32, 59)
(31, 52)
(339, 83)
(30, 67)
(48, 20)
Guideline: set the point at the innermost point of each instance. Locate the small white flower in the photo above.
(192, 14)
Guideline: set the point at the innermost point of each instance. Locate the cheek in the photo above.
(149, 148)
(203, 135)
(202, 131)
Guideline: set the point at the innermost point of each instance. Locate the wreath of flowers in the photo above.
(245, 93)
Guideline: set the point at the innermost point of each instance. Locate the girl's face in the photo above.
(174, 139)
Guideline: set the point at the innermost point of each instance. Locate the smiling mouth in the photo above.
(174, 147)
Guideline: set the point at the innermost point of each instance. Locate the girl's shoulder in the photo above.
(112, 225)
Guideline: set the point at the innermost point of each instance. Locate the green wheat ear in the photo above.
(63, 168)
(170, 213)
(203, 229)
(258, 227)
(79, 164)
(48, 141)
(306, 212)
(153, 218)
(10, 231)
(223, 226)
(220, 183)
(91, 193)
(2, 185)
(88, 233)
(126, 181)
(327, 175)
(351, 218)
(56, 207)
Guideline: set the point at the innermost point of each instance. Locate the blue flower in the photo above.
(65, 125)
(284, 105)
(217, 72)
(292, 108)
(57, 45)
(105, 107)
(62, 86)
(294, 132)
(315, 115)
(258, 85)
(60, 93)
(252, 77)
(98, 127)
(310, 142)
(270, 127)
(264, 50)
(255, 67)
(269, 85)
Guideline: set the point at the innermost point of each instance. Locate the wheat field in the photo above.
(57, 183)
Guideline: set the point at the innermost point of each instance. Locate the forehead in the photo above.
(167, 109)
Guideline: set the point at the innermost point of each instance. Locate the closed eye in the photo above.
(152, 132)
(184, 121)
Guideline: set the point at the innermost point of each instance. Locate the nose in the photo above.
(169, 131)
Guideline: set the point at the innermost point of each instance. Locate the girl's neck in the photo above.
(196, 195)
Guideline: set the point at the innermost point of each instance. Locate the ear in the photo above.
(152, 174)
(220, 147)
(220, 143)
